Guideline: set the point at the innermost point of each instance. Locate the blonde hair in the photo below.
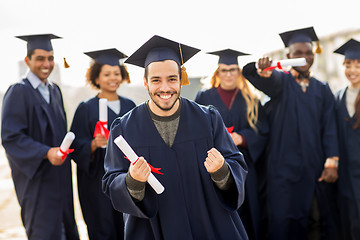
(249, 94)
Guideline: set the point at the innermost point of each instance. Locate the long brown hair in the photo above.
(247, 90)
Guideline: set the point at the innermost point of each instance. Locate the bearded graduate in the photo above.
(203, 171)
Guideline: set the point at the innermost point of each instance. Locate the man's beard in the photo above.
(168, 92)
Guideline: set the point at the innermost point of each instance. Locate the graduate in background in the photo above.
(303, 145)
(203, 171)
(243, 115)
(348, 117)
(32, 128)
(105, 74)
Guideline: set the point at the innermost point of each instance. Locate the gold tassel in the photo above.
(66, 65)
(318, 49)
(184, 77)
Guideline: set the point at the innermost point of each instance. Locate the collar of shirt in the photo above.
(35, 81)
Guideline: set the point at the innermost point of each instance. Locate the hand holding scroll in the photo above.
(264, 63)
(53, 157)
(140, 170)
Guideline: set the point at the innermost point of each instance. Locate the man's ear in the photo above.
(27, 60)
(145, 83)
(288, 55)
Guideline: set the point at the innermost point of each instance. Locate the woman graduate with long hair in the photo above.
(106, 75)
(240, 108)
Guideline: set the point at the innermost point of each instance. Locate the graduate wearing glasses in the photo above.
(239, 106)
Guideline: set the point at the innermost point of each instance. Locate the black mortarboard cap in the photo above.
(39, 41)
(299, 35)
(159, 49)
(228, 56)
(350, 49)
(109, 56)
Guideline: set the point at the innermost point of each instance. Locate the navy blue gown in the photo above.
(302, 135)
(30, 127)
(191, 207)
(256, 143)
(349, 170)
(102, 220)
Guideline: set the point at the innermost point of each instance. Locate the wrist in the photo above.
(332, 162)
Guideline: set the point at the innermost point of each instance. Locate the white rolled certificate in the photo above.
(103, 110)
(103, 114)
(294, 62)
(66, 143)
(131, 155)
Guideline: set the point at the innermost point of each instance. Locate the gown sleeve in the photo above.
(329, 131)
(256, 140)
(84, 136)
(271, 86)
(25, 152)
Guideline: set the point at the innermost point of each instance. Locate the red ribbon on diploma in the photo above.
(101, 129)
(278, 65)
(230, 129)
(64, 154)
(153, 169)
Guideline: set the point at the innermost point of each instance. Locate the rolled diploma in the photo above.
(103, 111)
(66, 143)
(131, 155)
(294, 62)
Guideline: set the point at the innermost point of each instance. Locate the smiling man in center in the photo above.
(204, 172)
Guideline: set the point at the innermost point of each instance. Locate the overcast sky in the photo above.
(86, 25)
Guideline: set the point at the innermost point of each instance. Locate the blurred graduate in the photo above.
(303, 146)
(348, 117)
(32, 128)
(240, 108)
(203, 171)
(106, 75)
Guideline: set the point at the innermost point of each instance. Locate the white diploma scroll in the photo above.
(66, 143)
(103, 110)
(131, 155)
(103, 114)
(294, 62)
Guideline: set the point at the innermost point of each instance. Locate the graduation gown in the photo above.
(349, 170)
(30, 126)
(102, 220)
(191, 207)
(302, 135)
(256, 143)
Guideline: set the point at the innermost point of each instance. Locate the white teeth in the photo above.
(45, 70)
(165, 96)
